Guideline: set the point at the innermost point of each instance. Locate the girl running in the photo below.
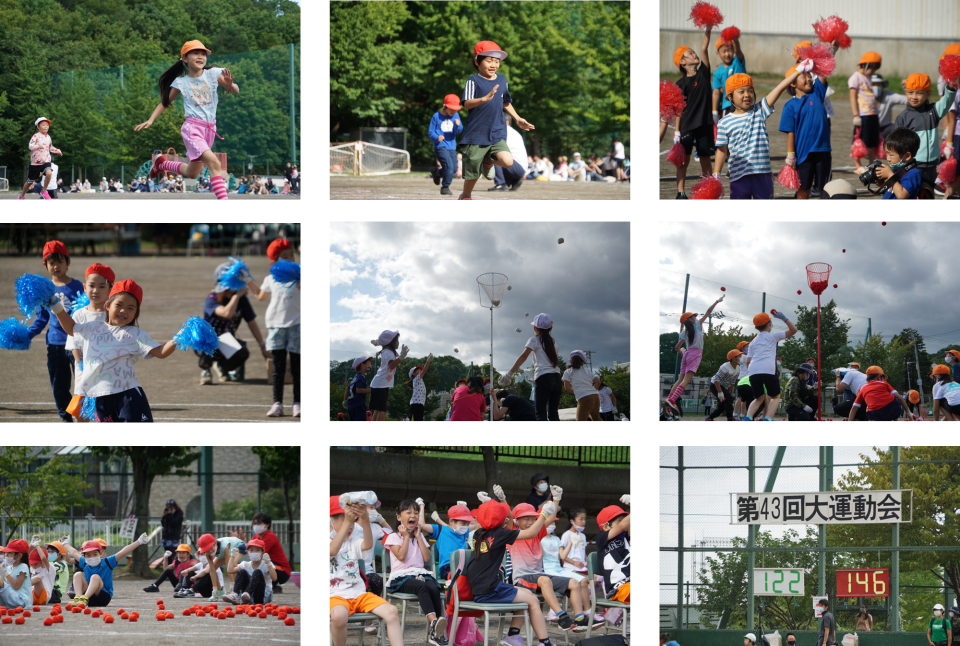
(762, 364)
(693, 337)
(197, 82)
(383, 381)
(41, 163)
(547, 381)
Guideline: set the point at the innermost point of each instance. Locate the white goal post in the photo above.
(363, 158)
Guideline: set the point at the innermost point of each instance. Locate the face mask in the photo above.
(255, 556)
(203, 559)
(550, 529)
(259, 529)
(52, 556)
(542, 487)
(93, 561)
(578, 528)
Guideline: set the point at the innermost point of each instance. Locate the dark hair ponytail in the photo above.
(547, 343)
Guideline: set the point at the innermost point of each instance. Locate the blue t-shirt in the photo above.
(485, 124)
(806, 118)
(55, 335)
(104, 571)
(447, 541)
(910, 181)
(200, 94)
(720, 76)
(231, 325)
(441, 124)
(355, 399)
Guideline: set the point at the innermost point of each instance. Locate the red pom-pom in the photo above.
(947, 173)
(845, 42)
(831, 29)
(823, 61)
(950, 69)
(677, 156)
(834, 285)
(709, 189)
(730, 34)
(289, 621)
(704, 14)
(858, 149)
(672, 102)
(789, 178)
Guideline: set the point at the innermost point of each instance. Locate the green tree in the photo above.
(148, 462)
(282, 464)
(32, 490)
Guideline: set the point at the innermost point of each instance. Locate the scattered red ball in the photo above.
(48, 621)
(288, 621)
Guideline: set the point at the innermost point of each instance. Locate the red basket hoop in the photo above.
(818, 277)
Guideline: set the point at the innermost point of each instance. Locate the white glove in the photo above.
(792, 160)
(549, 508)
(404, 350)
(498, 492)
(35, 540)
(557, 493)
(419, 502)
(857, 121)
(167, 554)
(143, 540)
(676, 137)
(482, 495)
(948, 151)
(807, 409)
(805, 65)
(716, 116)
(435, 516)
(505, 380)
(462, 503)
(65, 539)
(625, 499)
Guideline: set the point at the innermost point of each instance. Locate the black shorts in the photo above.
(765, 385)
(702, 137)
(815, 170)
(870, 130)
(378, 399)
(36, 172)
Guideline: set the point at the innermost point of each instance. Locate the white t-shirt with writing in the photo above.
(606, 404)
(284, 307)
(345, 579)
(385, 375)
(109, 355)
(581, 381)
(854, 380)
(200, 94)
(763, 353)
(541, 363)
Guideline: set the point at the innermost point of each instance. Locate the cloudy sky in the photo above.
(896, 274)
(707, 495)
(420, 278)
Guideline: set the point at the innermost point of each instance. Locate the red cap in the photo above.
(459, 512)
(492, 514)
(524, 509)
(206, 542)
(335, 507)
(452, 101)
(608, 513)
(101, 270)
(256, 542)
(276, 247)
(55, 246)
(35, 557)
(91, 546)
(18, 545)
(128, 286)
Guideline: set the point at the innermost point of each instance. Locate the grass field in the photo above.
(420, 186)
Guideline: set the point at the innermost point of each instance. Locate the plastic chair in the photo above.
(603, 603)
(403, 597)
(500, 609)
(361, 618)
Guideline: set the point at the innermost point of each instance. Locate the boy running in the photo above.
(486, 98)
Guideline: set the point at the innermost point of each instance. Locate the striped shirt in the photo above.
(745, 135)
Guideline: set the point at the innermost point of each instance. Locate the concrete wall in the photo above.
(233, 459)
(735, 637)
(443, 481)
(771, 53)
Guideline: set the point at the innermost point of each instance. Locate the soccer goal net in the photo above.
(362, 158)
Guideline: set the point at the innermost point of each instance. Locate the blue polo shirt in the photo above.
(441, 124)
(485, 124)
(720, 76)
(55, 335)
(104, 571)
(447, 541)
(806, 118)
(910, 182)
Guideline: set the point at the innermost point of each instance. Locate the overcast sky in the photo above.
(896, 274)
(420, 278)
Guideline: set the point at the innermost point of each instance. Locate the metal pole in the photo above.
(676, 361)
(895, 555)
(293, 112)
(751, 534)
(822, 534)
(680, 535)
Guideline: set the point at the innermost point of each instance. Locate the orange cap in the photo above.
(191, 45)
(685, 316)
(914, 397)
(801, 45)
(732, 354)
(874, 370)
(951, 50)
(870, 57)
(741, 344)
(737, 81)
(677, 55)
(918, 81)
(761, 319)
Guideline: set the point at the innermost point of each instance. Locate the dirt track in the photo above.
(420, 186)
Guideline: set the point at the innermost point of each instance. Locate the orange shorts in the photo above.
(39, 600)
(366, 602)
(623, 593)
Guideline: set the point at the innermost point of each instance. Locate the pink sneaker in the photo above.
(276, 410)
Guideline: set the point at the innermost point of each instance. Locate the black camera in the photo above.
(869, 174)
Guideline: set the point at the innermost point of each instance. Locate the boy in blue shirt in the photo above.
(804, 119)
(94, 581)
(355, 399)
(449, 537)
(732, 62)
(444, 127)
(901, 148)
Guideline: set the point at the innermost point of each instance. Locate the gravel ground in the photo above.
(420, 186)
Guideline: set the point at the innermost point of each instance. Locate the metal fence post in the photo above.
(895, 554)
(680, 538)
(751, 534)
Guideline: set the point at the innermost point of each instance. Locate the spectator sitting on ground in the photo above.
(577, 169)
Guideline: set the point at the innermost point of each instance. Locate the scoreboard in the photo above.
(866, 582)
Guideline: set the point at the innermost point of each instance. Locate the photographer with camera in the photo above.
(172, 523)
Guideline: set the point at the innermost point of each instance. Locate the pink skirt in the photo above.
(198, 136)
(690, 361)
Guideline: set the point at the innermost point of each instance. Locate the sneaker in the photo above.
(682, 196)
(151, 588)
(565, 622)
(154, 170)
(233, 598)
(552, 616)
(516, 186)
(276, 410)
(464, 198)
(614, 617)
(296, 409)
(245, 597)
(446, 191)
(206, 378)
(514, 640)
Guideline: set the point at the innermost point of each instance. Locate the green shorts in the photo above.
(473, 155)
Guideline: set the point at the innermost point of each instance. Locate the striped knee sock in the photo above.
(169, 166)
(218, 187)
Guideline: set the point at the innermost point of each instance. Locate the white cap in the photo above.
(359, 360)
(751, 637)
(37, 122)
(542, 321)
(387, 336)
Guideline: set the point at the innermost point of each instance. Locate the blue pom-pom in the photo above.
(14, 334)
(286, 272)
(33, 293)
(197, 334)
(232, 278)
(81, 301)
(88, 410)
